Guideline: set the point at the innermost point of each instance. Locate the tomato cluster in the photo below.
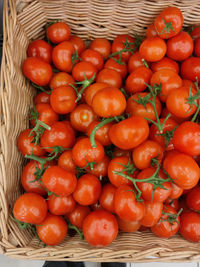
(114, 141)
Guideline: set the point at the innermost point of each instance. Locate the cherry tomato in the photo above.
(26, 146)
(40, 49)
(121, 68)
(153, 49)
(129, 133)
(135, 61)
(100, 169)
(195, 33)
(190, 69)
(165, 112)
(77, 216)
(93, 57)
(152, 214)
(88, 190)
(197, 47)
(165, 63)
(83, 69)
(60, 205)
(66, 161)
(37, 70)
(30, 208)
(78, 43)
(193, 199)
(59, 181)
(183, 170)
(138, 79)
(120, 152)
(169, 22)
(151, 31)
(58, 32)
(177, 191)
(190, 226)
(42, 98)
(61, 79)
(100, 228)
(110, 77)
(106, 198)
(126, 205)
(109, 102)
(174, 203)
(92, 90)
(52, 230)
(128, 226)
(102, 46)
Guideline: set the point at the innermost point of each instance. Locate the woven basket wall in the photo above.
(24, 20)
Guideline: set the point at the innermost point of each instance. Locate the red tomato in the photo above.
(100, 169)
(83, 69)
(190, 69)
(78, 43)
(120, 152)
(151, 31)
(197, 47)
(60, 205)
(195, 32)
(153, 49)
(77, 216)
(128, 226)
(177, 191)
(152, 214)
(61, 79)
(37, 70)
(174, 203)
(193, 199)
(40, 49)
(106, 198)
(59, 181)
(165, 112)
(66, 161)
(88, 190)
(100, 228)
(52, 230)
(58, 32)
(165, 63)
(93, 57)
(169, 22)
(42, 98)
(121, 68)
(190, 226)
(30, 208)
(102, 46)
(110, 76)
(92, 90)
(135, 61)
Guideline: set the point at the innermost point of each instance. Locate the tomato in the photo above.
(151, 31)
(129, 133)
(26, 146)
(169, 22)
(174, 203)
(109, 102)
(197, 47)
(93, 57)
(118, 164)
(159, 194)
(166, 229)
(37, 70)
(177, 191)
(134, 62)
(106, 198)
(88, 190)
(45, 114)
(120, 152)
(40, 49)
(100, 228)
(92, 90)
(83, 153)
(63, 99)
(81, 117)
(138, 79)
(100, 169)
(78, 43)
(187, 138)
(52, 230)
(193, 199)
(60, 134)
(119, 44)
(61, 79)
(195, 33)
(152, 214)
(169, 81)
(190, 69)
(59, 181)
(144, 154)
(121, 68)
(42, 98)
(62, 56)
(165, 63)
(77, 216)
(60, 205)
(83, 69)
(58, 32)
(30, 208)
(165, 112)
(110, 77)
(183, 170)
(136, 109)
(128, 226)
(190, 226)
(102, 46)
(126, 205)
(66, 161)
(153, 49)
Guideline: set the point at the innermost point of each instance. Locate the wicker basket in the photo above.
(24, 20)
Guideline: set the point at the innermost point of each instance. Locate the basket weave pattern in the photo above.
(24, 20)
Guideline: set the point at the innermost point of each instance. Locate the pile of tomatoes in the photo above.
(114, 138)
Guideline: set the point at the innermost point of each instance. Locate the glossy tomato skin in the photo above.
(66, 161)
(101, 45)
(93, 57)
(153, 49)
(82, 69)
(174, 203)
(190, 68)
(88, 190)
(52, 230)
(106, 198)
(183, 170)
(92, 90)
(186, 138)
(77, 216)
(165, 112)
(126, 205)
(59, 181)
(60, 134)
(30, 208)
(78, 43)
(190, 226)
(152, 214)
(100, 169)
(25, 145)
(151, 31)
(61, 79)
(60, 205)
(195, 33)
(100, 228)
(111, 77)
(42, 98)
(40, 49)
(121, 68)
(171, 15)
(109, 102)
(129, 133)
(180, 46)
(197, 47)
(128, 226)
(165, 63)
(193, 199)
(134, 62)
(58, 32)
(177, 191)
(37, 70)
